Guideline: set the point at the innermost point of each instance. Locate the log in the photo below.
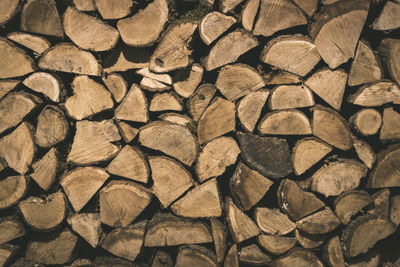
(371, 259)
(350, 203)
(44, 214)
(66, 57)
(11, 228)
(367, 121)
(81, 184)
(376, 94)
(296, 202)
(196, 256)
(364, 152)
(321, 222)
(215, 157)
(249, 13)
(100, 37)
(44, 83)
(163, 78)
(130, 163)
(139, 30)
(153, 85)
(117, 85)
(385, 172)
(13, 189)
(237, 80)
(227, 5)
(35, 43)
(332, 252)
(172, 52)
(220, 235)
(381, 204)
(213, 25)
(336, 30)
(41, 16)
(8, 9)
(249, 108)
(7, 253)
(199, 101)
(187, 80)
(113, 10)
(386, 20)
(6, 86)
(229, 48)
(170, 179)
(270, 156)
(176, 118)
(309, 7)
(15, 62)
(293, 53)
(125, 57)
(390, 125)
(115, 202)
(279, 77)
(290, 96)
(276, 245)
(232, 259)
(394, 209)
(168, 230)
(52, 127)
(309, 241)
(165, 102)
(162, 259)
(133, 107)
(218, 119)
(273, 222)
(253, 255)
(172, 139)
(248, 186)
(88, 226)
(298, 257)
(285, 122)
(94, 142)
(127, 132)
(389, 53)
(84, 5)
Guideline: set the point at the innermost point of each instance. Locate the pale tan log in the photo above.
(290, 96)
(187, 80)
(387, 19)
(227, 5)
(35, 43)
(51, 128)
(367, 121)
(196, 256)
(18, 148)
(279, 77)
(124, 58)
(376, 94)
(116, 198)
(389, 55)
(220, 235)
(84, 5)
(7, 253)
(117, 85)
(153, 85)
(11, 228)
(87, 225)
(229, 48)
(110, 9)
(166, 229)
(285, 122)
(133, 107)
(321, 222)
(253, 255)
(309, 241)
(386, 169)
(15, 61)
(276, 245)
(8, 9)
(127, 132)
(217, 119)
(66, 57)
(276, 16)
(215, 157)
(232, 258)
(293, 53)
(333, 253)
(6, 86)
(170, 179)
(45, 169)
(44, 83)
(12, 189)
(237, 80)
(391, 125)
(213, 25)
(199, 101)
(81, 184)
(249, 108)
(144, 28)
(94, 142)
(172, 139)
(249, 13)
(172, 52)
(364, 152)
(161, 77)
(308, 6)
(298, 257)
(273, 222)
(176, 118)
(164, 102)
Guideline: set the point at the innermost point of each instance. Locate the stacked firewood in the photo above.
(200, 133)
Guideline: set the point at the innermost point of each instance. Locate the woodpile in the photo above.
(200, 133)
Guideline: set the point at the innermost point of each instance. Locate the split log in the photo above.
(329, 85)
(232, 259)
(276, 245)
(113, 10)
(7, 86)
(309, 7)
(394, 210)
(84, 5)
(213, 25)
(35, 43)
(237, 80)
(270, 156)
(364, 152)
(174, 140)
(385, 173)
(229, 48)
(8, 9)
(365, 67)
(279, 77)
(390, 126)
(11, 228)
(293, 53)
(249, 108)
(381, 204)
(336, 30)
(161, 77)
(332, 252)
(125, 57)
(367, 121)
(127, 132)
(290, 96)
(94, 142)
(41, 16)
(248, 186)
(298, 257)
(309, 241)
(15, 62)
(172, 52)
(389, 50)
(201, 201)
(153, 85)
(240, 225)
(215, 157)
(44, 83)
(168, 230)
(164, 102)
(196, 256)
(18, 148)
(296, 202)
(321, 222)
(140, 30)
(220, 235)
(13, 188)
(116, 198)
(116, 84)
(66, 57)
(273, 222)
(53, 249)
(88, 226)
(285, 122)
(338, 176)
(307, 152)
(277, 16)
(170, 179)
(363, 233)
(162, 259)
(199, 101)
(329, 126)
(253, 255)
(130, 163)
(14, 107)
(176, 118)
(218, 119)
(376, 94)
(52, 127)
(387, 19)
(81, 184)
(133, 107)
(227, 5)
(95, 35)
(187, 80)
(7, 252)
(125, 242)
(350, 203)
(44, 214)
(249, 13)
